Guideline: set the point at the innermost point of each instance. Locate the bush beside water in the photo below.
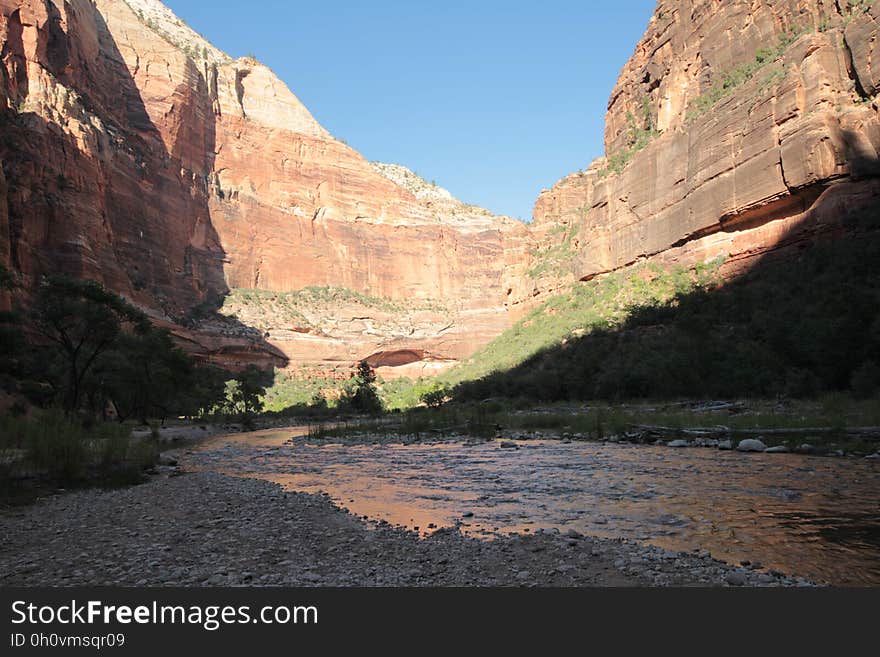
(54, 447)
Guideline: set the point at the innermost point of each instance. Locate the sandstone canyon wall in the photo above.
(134, 152)
(137, 154)
(738, 128)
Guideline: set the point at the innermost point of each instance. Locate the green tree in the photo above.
(435, 398)
(82, 321)
(145, 375)
(361, 395)
(208, 391)
(245, 392)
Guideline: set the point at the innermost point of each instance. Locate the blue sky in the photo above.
(493, 100)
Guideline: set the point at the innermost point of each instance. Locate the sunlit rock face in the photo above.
(136, 153)
(736, 127)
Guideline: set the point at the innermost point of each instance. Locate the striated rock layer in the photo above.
(733, 127)
(137, 154)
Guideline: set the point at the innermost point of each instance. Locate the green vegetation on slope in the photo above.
(301, 390)
(798, 328)
(603, 303)
(302, 394)
(600, 304)
(802, 328)
(557, 259)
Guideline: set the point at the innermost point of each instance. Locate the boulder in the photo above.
(751, 445)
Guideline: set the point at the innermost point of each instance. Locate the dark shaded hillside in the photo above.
(798, 327)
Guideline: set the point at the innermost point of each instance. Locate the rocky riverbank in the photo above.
(775, 442)
(207, 529)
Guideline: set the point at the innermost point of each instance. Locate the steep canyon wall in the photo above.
(137, 154)
(735, 125)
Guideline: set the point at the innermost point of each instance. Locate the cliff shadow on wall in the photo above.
(105, 199)
(800, 317)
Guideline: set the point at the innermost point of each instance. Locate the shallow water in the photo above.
(808, 516)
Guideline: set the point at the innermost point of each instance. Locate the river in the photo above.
(809, 516)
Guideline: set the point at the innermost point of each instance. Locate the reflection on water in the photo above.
(814, 517)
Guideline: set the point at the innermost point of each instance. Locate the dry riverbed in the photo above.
(208, 529)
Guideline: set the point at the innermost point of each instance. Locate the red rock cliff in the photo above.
(137, 154)
(735, 125)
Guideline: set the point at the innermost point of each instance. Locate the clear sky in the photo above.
(492, 100)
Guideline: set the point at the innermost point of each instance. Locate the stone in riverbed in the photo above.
(678, 443)
(507, 444)
(725, 445)
(778, 449)
(736, 578)
(751, 445)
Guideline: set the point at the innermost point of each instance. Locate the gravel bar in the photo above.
(208, 529)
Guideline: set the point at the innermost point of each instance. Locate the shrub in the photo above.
(435, 398)
(56, 444)
(62, 449)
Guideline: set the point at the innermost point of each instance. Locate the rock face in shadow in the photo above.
(91, 189)
(137, 154)
(730, 121)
